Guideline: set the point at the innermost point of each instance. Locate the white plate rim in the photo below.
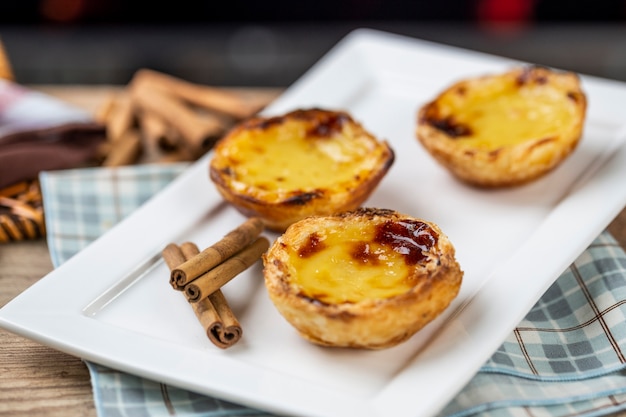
(63, 321)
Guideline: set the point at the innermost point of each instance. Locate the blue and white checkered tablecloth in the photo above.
(566, 358)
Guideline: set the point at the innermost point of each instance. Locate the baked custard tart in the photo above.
(505, 129)
(368, 278)
(302, 163)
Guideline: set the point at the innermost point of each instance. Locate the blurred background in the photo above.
(271, 43)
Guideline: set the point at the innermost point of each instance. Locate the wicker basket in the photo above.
(21, 212)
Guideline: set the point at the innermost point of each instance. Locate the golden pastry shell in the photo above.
(439, 131)
(292, 205)
(370, 323)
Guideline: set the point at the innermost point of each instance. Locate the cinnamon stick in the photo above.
(155, 131)
(125, 150)
(214, 279)
(223, 332)
(214, 313)
(233, 242)
(104, 110)
(119, 118)
(200, 95)
(172, 255)
(198, 134)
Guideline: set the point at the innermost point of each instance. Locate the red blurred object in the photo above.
(505, 15)
(75, 11)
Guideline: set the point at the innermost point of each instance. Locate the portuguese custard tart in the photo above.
(368, 278)
(505, 129)
(302, 163)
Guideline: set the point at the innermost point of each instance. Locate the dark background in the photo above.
(272, 43)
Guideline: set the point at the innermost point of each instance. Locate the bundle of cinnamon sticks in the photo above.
(167, 119)
(200, 275)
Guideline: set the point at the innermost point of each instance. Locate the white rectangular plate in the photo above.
(112, 303)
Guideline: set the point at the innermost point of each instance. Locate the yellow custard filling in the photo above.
(288, 157)
(348, 264)
(503, 114)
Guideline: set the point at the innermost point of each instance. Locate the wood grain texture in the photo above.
(36, 380)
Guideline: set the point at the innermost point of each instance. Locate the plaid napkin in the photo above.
(566, 358)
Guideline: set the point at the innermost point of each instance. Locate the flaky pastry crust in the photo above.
(506, 129)
(369, 278)
(303, 163)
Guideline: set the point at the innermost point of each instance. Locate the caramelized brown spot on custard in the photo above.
(531, 74)
(301, 198)
(327, 125)
(312, 246)
(228, 171)
(361, 252)
(410, 238)
(574, 96)
(461, 90)
(263, 124)
(369, 212)
(449, 126)
(493, 154)
(525, 76)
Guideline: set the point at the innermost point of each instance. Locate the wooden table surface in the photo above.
(36, 380)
